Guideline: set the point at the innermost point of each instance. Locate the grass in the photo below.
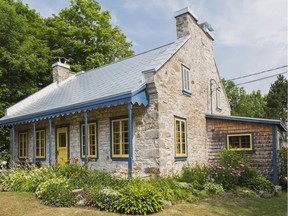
(16, 204)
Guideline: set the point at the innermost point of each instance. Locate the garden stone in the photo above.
(261, 192)
(278, 189)
(81, 203)
(167, 203)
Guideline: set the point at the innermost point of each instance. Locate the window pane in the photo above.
(62, 139)
(234, 142)
(245, 141)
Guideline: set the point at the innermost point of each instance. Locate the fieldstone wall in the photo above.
(145, 131)
(262, 158)
(197, 55)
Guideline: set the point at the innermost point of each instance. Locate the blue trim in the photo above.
(274, 149)
(41, 159)
(111, 153)
(107, 102)
(186, 93)
(141, 98)
(86, 136)
(68, 138)
(246, 151)
(180, 158)
(97, 147)
(34, 143)
(247, 119)
(130, 131)
(50, 142)
(12, 147)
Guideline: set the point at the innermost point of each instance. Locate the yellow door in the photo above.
(62, 145)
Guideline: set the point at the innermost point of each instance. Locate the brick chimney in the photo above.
(186, 21)
(61, 71)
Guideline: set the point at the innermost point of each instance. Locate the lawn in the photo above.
(16, 204)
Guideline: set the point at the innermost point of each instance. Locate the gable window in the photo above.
(240, 141)
(23, 144)
(180, 137)
(92, 140)
(120, 138)
(218, 99)
(40, 144)
(186, 80)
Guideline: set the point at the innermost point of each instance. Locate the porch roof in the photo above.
(113, 84)
(248, 119)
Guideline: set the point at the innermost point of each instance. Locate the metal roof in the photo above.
(248, 119)
(107, 83)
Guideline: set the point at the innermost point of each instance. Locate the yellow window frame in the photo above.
(186, 79)
(180, 144)
(121, 154)
(89, 140)
(23, 145)
(240, 142)
(40, 143)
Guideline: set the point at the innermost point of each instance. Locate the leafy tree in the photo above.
(84, 36)
(243, 104)
(277, 99)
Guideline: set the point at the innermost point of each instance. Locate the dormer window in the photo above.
(186, 80)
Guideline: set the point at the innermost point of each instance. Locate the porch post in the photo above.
(12, 147)
(50, 141)
(86, 136)
(34, 144)
(130, 129)
(274, 150)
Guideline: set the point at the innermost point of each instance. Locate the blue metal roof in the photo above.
(119, 82)
(248, 119)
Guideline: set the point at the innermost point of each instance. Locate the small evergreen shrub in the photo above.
(139, 197)
(55, 191)
(259, 183)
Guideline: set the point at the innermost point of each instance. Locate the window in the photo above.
(186, 79)
(240, 141)
(120, 138)
(218, 99)
(92, 140)
(23, 144)
(180, 137)
(40, 144)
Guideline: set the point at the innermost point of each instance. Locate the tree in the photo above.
(277, 99)
(242, 104)
(84, 36)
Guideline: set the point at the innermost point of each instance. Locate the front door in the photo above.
(62, 145)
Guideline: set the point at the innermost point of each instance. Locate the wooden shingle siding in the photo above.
(262, 154)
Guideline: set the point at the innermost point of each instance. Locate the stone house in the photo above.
(157, 111)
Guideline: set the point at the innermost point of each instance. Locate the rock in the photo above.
(278, 189)
(167, 203)
(261, 192)
(81, 203)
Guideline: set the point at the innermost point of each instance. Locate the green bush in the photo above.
(197, 175)
(283, 156)
(259, 183)
(56, 192)
(139, 197)
(213, 188)
(105, 199)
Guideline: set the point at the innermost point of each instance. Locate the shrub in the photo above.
(105, 199)
(283, 156)
(197, 175)
(213, 188)
(139, 197)
(55, 191)
(260, 183)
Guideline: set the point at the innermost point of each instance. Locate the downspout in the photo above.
(50, 142)
(12, 147)
(130, 129)
(274, 149)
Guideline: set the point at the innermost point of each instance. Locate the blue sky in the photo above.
(250, 36)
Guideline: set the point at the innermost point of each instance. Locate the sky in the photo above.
(250, 36)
